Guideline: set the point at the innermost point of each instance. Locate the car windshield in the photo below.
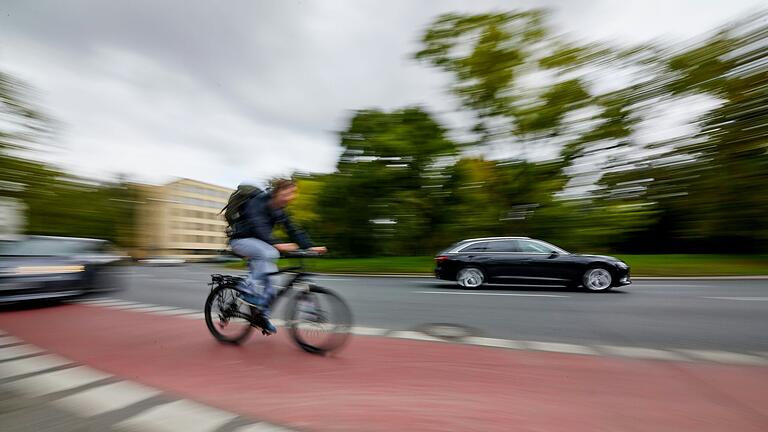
(48, 247)
(538, 246)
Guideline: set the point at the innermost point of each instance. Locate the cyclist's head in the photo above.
(283, 191)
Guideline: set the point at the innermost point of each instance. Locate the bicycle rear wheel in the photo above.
(319, 320)
(227, 318)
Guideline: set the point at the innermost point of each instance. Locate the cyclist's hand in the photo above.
(319, 249)
(286, 247)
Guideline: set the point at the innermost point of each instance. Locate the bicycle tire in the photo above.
(341, 320)
(209, 302)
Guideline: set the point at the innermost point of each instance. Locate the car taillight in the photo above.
(440, 259)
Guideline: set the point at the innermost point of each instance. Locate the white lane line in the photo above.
(18, 351)
(181, 415)
(496, 343)
(154, 309)
(561, 348)
(490, 294)
(739, 298)
(177, 312)
(414, 336)
(52, 382)
(193, 316)
(369, 331)
(110, 397)
(7, 340)
(103, 302)
(131, 306)
(641, 353)
(725, 357)
(2, 333)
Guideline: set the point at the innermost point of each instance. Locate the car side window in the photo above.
(477, 247)
(503, 246)
(528, 246)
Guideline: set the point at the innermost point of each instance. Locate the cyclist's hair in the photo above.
(278, 184)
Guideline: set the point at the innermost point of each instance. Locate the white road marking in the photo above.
(53, 382)
(154, 309)
(181, 415)
(177, 312)
(641, 353)
(414, 336)
(110, 397)
(31, 365)
(490, 294)
(497, 343)
(739, 298)
(193, 316)
(104, 302)
(131, 306)
(262, 427)
(561, 347)
(7, 340)
(369, 331)
(8, 353)
(725, 357)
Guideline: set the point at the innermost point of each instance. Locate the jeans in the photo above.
(261, 260)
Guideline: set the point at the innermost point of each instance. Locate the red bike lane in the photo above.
(382, 384)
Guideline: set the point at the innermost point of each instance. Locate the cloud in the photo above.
(224, 91)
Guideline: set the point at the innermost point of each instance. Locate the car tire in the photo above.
(597, 279)
(470, 277)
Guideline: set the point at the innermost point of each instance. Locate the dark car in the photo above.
(526, 261)
(40, 267)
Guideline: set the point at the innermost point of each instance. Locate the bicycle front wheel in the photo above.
(319, 321)
(227, 318)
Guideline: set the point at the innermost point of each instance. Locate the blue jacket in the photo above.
(258, 220)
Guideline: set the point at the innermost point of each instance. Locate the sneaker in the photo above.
(268, 326)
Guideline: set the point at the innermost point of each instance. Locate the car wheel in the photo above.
(597, 279)
(470, 277)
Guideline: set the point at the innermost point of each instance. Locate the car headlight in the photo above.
(621, 265)
(38, 270)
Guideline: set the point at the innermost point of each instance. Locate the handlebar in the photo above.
(301, 253)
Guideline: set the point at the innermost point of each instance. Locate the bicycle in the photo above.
(313, 310)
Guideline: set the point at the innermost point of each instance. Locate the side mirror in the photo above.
(554, 254)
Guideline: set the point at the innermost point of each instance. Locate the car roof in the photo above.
(494, 238)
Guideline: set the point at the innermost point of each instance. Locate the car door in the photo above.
(510, 263)
(476, 253)
(543, 267)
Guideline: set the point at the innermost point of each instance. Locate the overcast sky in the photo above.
(243, 90)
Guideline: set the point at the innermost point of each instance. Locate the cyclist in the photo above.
(251, 237)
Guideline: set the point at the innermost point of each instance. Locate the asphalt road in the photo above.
(730, 315)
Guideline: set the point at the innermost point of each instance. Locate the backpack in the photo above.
(234, 206)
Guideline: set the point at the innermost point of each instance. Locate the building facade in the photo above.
(182, 219)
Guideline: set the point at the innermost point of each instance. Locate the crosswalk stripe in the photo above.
(52, 382)
(18, 351)
(7, 340)
(262, 427)
(369, 331)
(181, 415)
(154, 309)
(110, 397)
(31, 365)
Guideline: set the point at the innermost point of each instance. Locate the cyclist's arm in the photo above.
(295, 232)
